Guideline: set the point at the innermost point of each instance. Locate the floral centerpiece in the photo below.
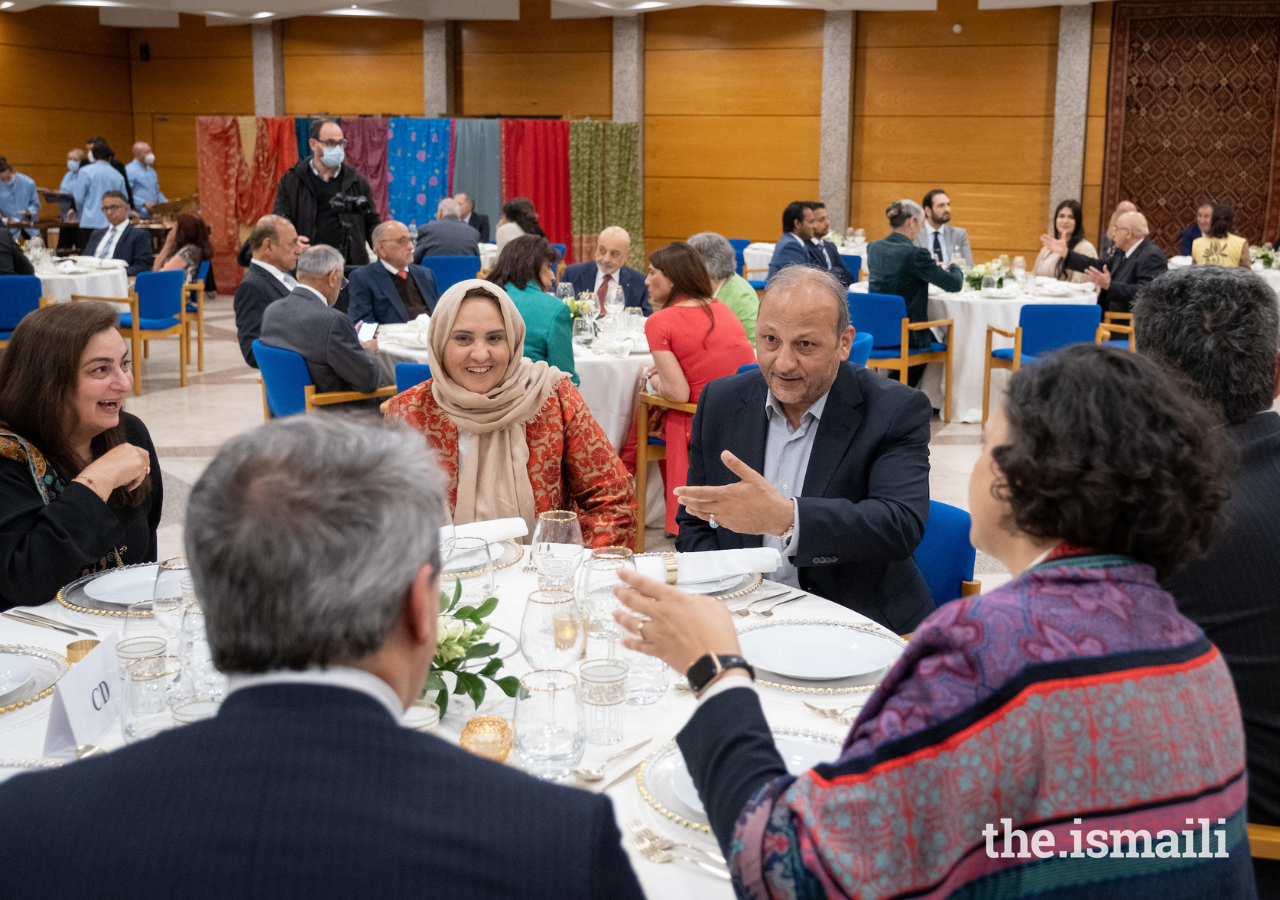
(996, 269)
(459, 647)
(582, 304)
(1265, 255)
(834, 237)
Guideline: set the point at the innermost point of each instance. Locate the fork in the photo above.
(645, 834)
(767, 612)
(655, 855)
(835, 715)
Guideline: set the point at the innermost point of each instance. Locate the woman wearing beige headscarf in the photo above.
(514, 436)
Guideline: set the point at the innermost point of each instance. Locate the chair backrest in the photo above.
(945, 556)
(203, 272)
(861, 350)
(159, 293)
(285, 374)
(1049, 326)
(19, 295)
(853, 263)
(747, 368)
(411, 375)
(560, 250)
(449, 270)
(738, 245)
(879, 315)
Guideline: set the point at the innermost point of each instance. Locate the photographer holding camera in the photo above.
(327, 201)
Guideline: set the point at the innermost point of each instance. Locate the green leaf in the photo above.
(480, 650)
(491, 668)
(461, 686)
(457, 594)
(477, 691)
(442, 701)
(509, 685)
(487, 607)
(435, 682)
(463, 612)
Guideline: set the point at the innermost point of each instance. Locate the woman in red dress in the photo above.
(694, 340)
(514, 436)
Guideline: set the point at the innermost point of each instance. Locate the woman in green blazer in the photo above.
(526, 270)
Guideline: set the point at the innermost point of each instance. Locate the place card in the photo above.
(85, 701)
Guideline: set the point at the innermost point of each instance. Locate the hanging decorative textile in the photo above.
(303, 130)
(417, 168)
(219, 160)
(477, 166)
(535, 164)
(283, 136)
(257, 189)
(586, 193)
(367, 154)
(623, 191)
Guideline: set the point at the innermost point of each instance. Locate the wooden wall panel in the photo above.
(349, 66)
(1096, 130)
(733, 100)
(971, 113)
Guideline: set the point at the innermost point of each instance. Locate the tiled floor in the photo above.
(187, 425)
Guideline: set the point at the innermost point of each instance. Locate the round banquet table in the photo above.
(22, 731)
(94, 283)
(972, 313)
(488, 256)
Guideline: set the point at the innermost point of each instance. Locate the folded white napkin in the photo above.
(709, 565)
(492, 531)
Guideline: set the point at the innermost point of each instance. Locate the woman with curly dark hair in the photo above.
(1027, 734)
(186, 247)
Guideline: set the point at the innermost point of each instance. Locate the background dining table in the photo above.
(22, 731)
(93, 283)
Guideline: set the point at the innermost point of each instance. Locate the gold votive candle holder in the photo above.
(487, 736)
(565, 628)
(78, 650)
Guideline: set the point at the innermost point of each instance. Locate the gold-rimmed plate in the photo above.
(505, 553)
(75, 596)
(48, 667)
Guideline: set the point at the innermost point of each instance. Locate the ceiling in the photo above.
(164, 13)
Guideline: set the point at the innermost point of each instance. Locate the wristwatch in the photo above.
(709, 667)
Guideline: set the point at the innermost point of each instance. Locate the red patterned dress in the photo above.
(570, 460)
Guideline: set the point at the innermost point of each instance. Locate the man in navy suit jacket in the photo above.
(824, 254)
(471, 217)
(792, 249)
(120, 240)
(613, 246)
(322, 609)
(823, 460)
(392, 288)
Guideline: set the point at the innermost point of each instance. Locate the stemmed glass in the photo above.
(614, 301)
(201, 680)
(550, 735)
(564, 291)
(166, 598)
(599, 578)
(557, 548)
(551, 633)
(1020, 270)
(470, 560)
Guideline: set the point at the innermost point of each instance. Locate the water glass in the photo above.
(469, 559)
(599, 578)
(988, 283)
(142, 635)
(584, 333)
(647, 678)
(557, 549)
(550, 736)
(149, 685)
(634, 318)
(564, 291)
(168, 593)
(957, 259)
(604, 694)
(551, 632)
(201, 680)
(614, 301)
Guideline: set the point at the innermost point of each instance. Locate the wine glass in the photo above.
(564, 290)
(201, 679)
(584, 333)
(470, 560)
(614, 301)
(551, 632)
(557, 549)
(166, 596)
(600, 577)
(550, 736)
(1020, 269)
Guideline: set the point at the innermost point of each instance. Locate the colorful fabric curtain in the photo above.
(477, 165)
(302, 128)
(535, 164)
(623, 191)
(586, 179)
(257, 189)
(417, 168)
(219, 160)
(283, 136)
(367, 154)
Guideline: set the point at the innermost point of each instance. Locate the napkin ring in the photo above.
(672, 570)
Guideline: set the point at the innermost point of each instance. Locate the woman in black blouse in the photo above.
(80, 486)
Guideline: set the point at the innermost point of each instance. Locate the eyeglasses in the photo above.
(331, 144)
(344, 283)
(406, 240)
(108, 207)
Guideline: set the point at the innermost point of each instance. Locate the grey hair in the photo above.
(901, 210)
(1219, 326)
(305, 534)
(449, 207)
(380, 231)
(793, 277)
(319, 261)
(717, 254)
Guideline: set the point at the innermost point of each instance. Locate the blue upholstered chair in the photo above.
(411, 375)
(853, 263)
(19, 295)
(884, 316)
(738, 245)
(1116, 323)
(195, 307)
(945, 556)
(1042, 328)
(287, 388)
(449, 270)
(157, 309)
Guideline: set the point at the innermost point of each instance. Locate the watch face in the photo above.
(701, 672)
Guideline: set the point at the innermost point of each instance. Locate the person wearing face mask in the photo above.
(144, 183)
(18, 197)
(98, 149)
(514, 436)
(327, 200)
(95, 178)
(69, 233)
(80, 487)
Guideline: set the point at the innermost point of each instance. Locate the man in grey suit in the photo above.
(305, 322)
(942, 239)
(448, 235)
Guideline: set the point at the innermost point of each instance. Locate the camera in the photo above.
(349, 203)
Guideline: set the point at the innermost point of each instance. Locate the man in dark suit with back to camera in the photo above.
(826, 461)
(613, 247)
(1219, 327)
(120, 240)
(792, 249)
(391, 288)
(12, 260)
(275, 246)
(322, 609)
(469, 216)
(1134, 262)
(448, 235)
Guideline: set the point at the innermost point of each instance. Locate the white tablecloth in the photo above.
(488, 256)
(972, 313)
(757, 256)
(95, 283)
(22, 732)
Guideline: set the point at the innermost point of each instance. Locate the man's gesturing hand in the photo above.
(751, 506)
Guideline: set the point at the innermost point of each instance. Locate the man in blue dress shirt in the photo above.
(143, 180)
(93, 181)
(17, 196)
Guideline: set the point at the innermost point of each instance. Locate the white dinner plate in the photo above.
(815, 650)
(131, 585)
(499, 551)
(15, 671)
(710, 587)
(800, 753)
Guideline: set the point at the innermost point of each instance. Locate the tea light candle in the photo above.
(564, 629)
(487, 736)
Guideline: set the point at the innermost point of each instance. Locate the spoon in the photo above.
(597, 774)
(766, 613)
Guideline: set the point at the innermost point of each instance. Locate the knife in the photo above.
(623, 777)
(35, 624)
(31, 615)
